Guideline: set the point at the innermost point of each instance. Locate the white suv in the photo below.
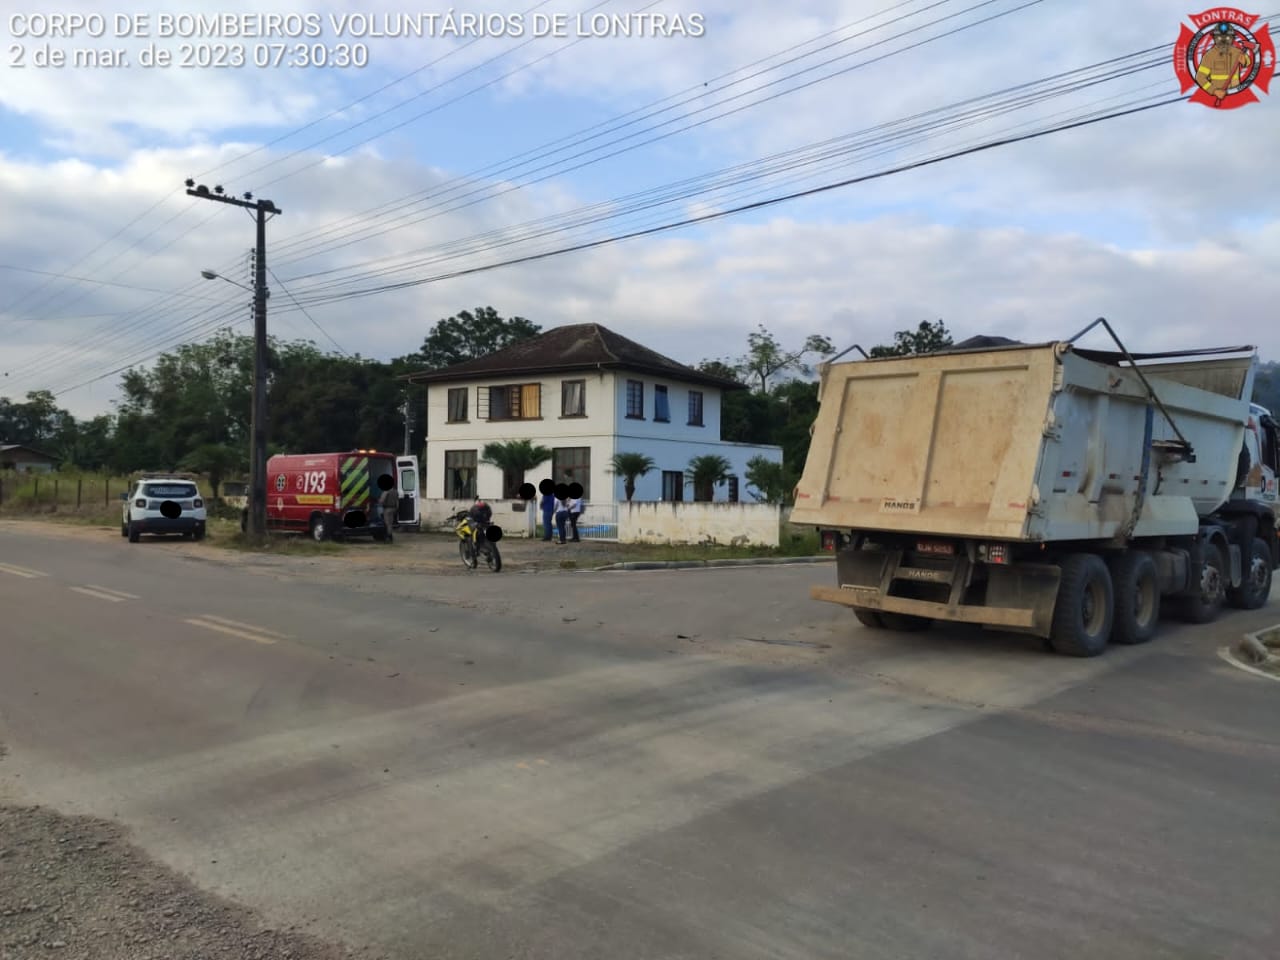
(163, 505)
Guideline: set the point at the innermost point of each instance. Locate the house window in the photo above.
(733, 489)
(672, 485)
(457, 404)
(520, 401)
(573, 398)
(635, 400)
(459, 474)
(695, 408)
(572, 465)
(661, 409)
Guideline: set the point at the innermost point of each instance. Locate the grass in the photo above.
(791, 544)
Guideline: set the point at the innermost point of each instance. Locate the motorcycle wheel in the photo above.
(468, 554)
(493, 557)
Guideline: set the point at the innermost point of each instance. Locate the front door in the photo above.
(407, 471)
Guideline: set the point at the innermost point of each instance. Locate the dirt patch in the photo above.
(74, 887)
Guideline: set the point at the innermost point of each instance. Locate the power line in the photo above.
(252, 152)
(580, 246)
(1096, 118)
(280, 283)
(155, 308)
(499, 192)
(502, 165)
(989, 105)
(757, 205)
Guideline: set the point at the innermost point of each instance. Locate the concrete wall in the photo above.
(728, 524)
(514, 522)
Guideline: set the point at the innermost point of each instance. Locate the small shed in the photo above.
(24, 459)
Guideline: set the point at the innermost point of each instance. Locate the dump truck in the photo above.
(1072, 494)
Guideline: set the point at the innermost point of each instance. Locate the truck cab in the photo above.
(1260, 458)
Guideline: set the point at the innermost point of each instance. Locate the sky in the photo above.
(402, 147)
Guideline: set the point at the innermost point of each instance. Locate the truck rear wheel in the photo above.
(1137, 588)
(1205, 603)
(1085, 611)
(905, 622)
(319, 529)
(869, 618)
(1255, 585)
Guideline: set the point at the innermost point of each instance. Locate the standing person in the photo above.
(575, 511)
(562, 516)
(548, 514)
(390, 508)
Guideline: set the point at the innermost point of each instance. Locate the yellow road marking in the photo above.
(231, 630)
(21, 571)
(100, 595)
(245, 626)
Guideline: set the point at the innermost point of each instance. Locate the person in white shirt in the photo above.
(575, 511)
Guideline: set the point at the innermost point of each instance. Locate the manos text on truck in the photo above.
(332, 495)
(1045, 489)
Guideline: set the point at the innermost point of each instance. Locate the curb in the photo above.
(695, 564)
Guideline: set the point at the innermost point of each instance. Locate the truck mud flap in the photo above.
(1018, 598)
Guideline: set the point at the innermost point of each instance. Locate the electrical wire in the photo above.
(1096, 117)
(158, 307)
(989, 105)
(556, 168)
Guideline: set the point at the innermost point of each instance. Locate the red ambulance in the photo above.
(332, 495)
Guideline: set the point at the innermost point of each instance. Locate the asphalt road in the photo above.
(675, 764)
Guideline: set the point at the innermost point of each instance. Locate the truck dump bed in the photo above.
(1039, 443)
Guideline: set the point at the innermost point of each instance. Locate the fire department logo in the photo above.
(280, 483)
(1224, 58)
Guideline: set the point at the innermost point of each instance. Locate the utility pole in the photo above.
(406, 423)
(258, 426)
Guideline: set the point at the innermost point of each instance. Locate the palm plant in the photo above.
(705, 472)
(514, 458)
(629, 466)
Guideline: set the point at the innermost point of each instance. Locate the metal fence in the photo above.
(599, 521)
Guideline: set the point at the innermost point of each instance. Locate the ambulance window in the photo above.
(408, 480)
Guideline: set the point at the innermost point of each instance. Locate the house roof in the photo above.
(6, 447)
(576, 347)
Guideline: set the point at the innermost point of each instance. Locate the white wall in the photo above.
(728, 524)
(598, 420)
(594, 430)
(679, 427)
(676, 454)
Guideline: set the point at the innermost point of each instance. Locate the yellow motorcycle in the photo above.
(476, 540)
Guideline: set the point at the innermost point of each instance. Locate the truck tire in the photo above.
(869, 618)
(1136, 583)
(319, 529)
(1085, 610)
(905, 622)
(1255, 585)
(1204, 605)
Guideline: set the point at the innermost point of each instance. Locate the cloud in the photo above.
(1137, 219)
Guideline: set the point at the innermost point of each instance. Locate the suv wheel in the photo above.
(132, 533)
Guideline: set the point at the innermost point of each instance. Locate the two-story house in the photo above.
(586, 393)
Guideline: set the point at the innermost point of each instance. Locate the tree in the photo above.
(722, 369)
(629, 466)
(767, 481)
(216, 460)
(514, 458)
(766, 357)
(470, 335)
(1266, 387)
(924, 339)
(705, 472)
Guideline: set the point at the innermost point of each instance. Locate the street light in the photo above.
(210, 275)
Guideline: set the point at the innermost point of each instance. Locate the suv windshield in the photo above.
(178, 490)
